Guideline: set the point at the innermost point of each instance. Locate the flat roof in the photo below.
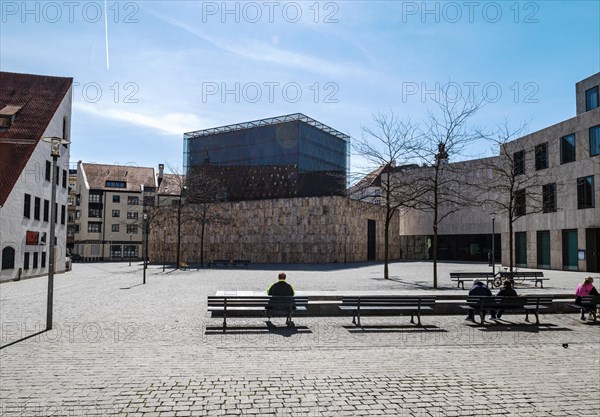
(266, 122)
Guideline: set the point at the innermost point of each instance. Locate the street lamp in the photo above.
(145, 244)
(493, 246)
(55, 144)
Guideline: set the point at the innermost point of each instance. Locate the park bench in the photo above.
(250, 306)
(387, 305)
(522, 276)
(461, 277)
(184, 266)
(528, 304)
(589, 303)
(221, 262)
(240, 262)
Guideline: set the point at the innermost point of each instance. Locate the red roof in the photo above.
(39, 97)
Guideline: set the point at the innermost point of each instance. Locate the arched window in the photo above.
(8, 258)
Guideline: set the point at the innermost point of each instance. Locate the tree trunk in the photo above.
(202, 245)
(435, 226)
(510, 243)
(386, 249)
(178, 235)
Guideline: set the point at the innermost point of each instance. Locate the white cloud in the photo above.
(166, 124)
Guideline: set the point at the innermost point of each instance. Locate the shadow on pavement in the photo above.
(394, 329)
(268, 329)
(22, 339)
(507, 326)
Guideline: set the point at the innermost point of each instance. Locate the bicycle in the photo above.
(505, 275)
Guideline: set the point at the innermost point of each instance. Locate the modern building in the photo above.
(280, 157)
(32, 107)
(110, 203)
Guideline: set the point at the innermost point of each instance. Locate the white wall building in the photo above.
(32, 107)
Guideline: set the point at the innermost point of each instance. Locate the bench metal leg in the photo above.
(537, 319)
(358, 317)
(418, 319)
(412, 318)
(482, 315)
(354, 317)
(527, 316)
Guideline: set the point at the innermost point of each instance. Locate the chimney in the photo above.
(161, 169)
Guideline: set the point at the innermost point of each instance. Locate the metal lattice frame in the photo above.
(267, 122)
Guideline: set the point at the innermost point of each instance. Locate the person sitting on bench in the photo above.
(583, 289)
(280, 289)
(479, 289)
(507, 291)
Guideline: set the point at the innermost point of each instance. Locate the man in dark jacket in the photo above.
(507, 291)
(479, 289)
(281, 289)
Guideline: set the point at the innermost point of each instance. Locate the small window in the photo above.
(519, 163)
(95, 198)
(116, 213)
(8, 258)
(94, 227)
(63, 211)
(133, 201)
(520, 208)
(132, 214)
(77, 214)
(567, 149)
(57, 178)
(35, 260)
(48, 173)
(115, 184)
(115, 228)
(95, 213)
(591, 99)
(64, 178)
(132, 229)
(36, 208)
(43, 259)
(27, 206)
(541, 156)
(116, 198)
(595, 140)
(585, 192)
(46, 210)
(56, 213)
(26, 261)
(549, 198)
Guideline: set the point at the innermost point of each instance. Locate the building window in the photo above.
(116, 198)
(35, 260)
(595, 140)
(46, 210)
(130, 251)
(519, 163)
(55, 212)
(36, 208)
(71, 201)
(48, 171)
(541, 156)
(115, 251)
(57, 178)
(132, 214)
(591, 99)
(133, 201)
(132, 229)
(27, 206)
(94, 227)
(115, 228)
(95, 198)
(70, 217)
(520, 208)
(77, 228)
(94, 212)
(26, 261)
(63, 211)
(116, 213)
(8, 258)
(77, 214)
(115, 184)
(64, 178)
(585, 192)
(43, 260)
(549, 198)
(567, 149)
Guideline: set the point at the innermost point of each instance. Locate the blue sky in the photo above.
(176, 66)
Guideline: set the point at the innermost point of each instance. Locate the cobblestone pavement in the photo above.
(120, 348)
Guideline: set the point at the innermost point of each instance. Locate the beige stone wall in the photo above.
(296, 230)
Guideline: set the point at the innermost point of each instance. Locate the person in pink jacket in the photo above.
(583, 289)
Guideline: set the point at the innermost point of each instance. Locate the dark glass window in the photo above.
(133, 201)
(27, 206)
(595, 140)
(549, 198)
(116, 198)
(43, 259)
(132, 229)
(26, 260)
(585, 192)
(35, 260)
(115, 227)
(567, 149)
(94, 212)
(519, 162)
(57, 178)
(95, 198)
(520, 207)
(541, 156)
(48, 171)
(64, 178)
(55, 212)
(115, 184)
(46, 210)
(591, 99)
(8, 258)
(116, 213)
(132, 214)
(63, 211)
(94, 227)
(36, 208)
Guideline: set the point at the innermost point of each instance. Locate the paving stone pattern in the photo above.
(119, 348)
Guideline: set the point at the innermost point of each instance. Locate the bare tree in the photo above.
(446, 135)
(513, 186)
(389, 143)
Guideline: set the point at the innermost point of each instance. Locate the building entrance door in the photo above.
(371, 240)
(569, 242)
(592, 244)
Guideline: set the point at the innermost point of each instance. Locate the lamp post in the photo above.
(164, 248)
(129, 251)
(493, 246)
(145, 243)
(55, 144)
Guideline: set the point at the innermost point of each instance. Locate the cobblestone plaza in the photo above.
(121, 348)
